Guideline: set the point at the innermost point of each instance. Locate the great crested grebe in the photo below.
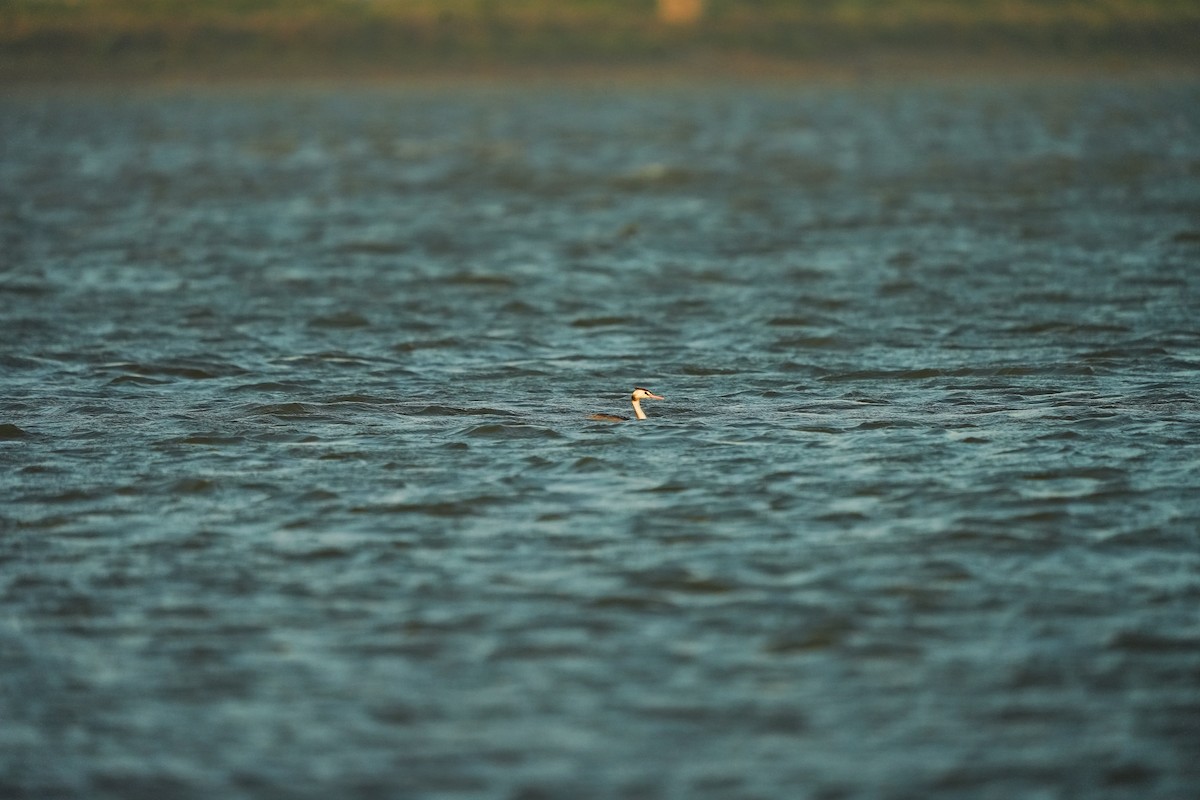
(639, 394)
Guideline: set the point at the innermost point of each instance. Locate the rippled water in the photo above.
(300, 498)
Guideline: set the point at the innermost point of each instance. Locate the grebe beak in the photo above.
(652, 396)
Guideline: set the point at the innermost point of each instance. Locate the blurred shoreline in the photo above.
(54, 41)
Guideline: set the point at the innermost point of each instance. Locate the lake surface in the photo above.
(299, 497)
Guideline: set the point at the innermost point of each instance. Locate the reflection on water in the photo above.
(300, 495)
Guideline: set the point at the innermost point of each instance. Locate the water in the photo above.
(300, 497)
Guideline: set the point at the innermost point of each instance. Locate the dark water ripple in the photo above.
(300, 496)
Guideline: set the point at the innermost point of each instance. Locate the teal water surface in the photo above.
(299, 496)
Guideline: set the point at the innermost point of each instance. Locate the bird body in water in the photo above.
(639, 394)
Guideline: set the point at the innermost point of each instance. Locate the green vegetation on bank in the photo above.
(147, 36)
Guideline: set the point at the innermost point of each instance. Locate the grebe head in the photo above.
(639, 394)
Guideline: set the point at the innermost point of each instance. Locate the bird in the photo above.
(639, 394)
